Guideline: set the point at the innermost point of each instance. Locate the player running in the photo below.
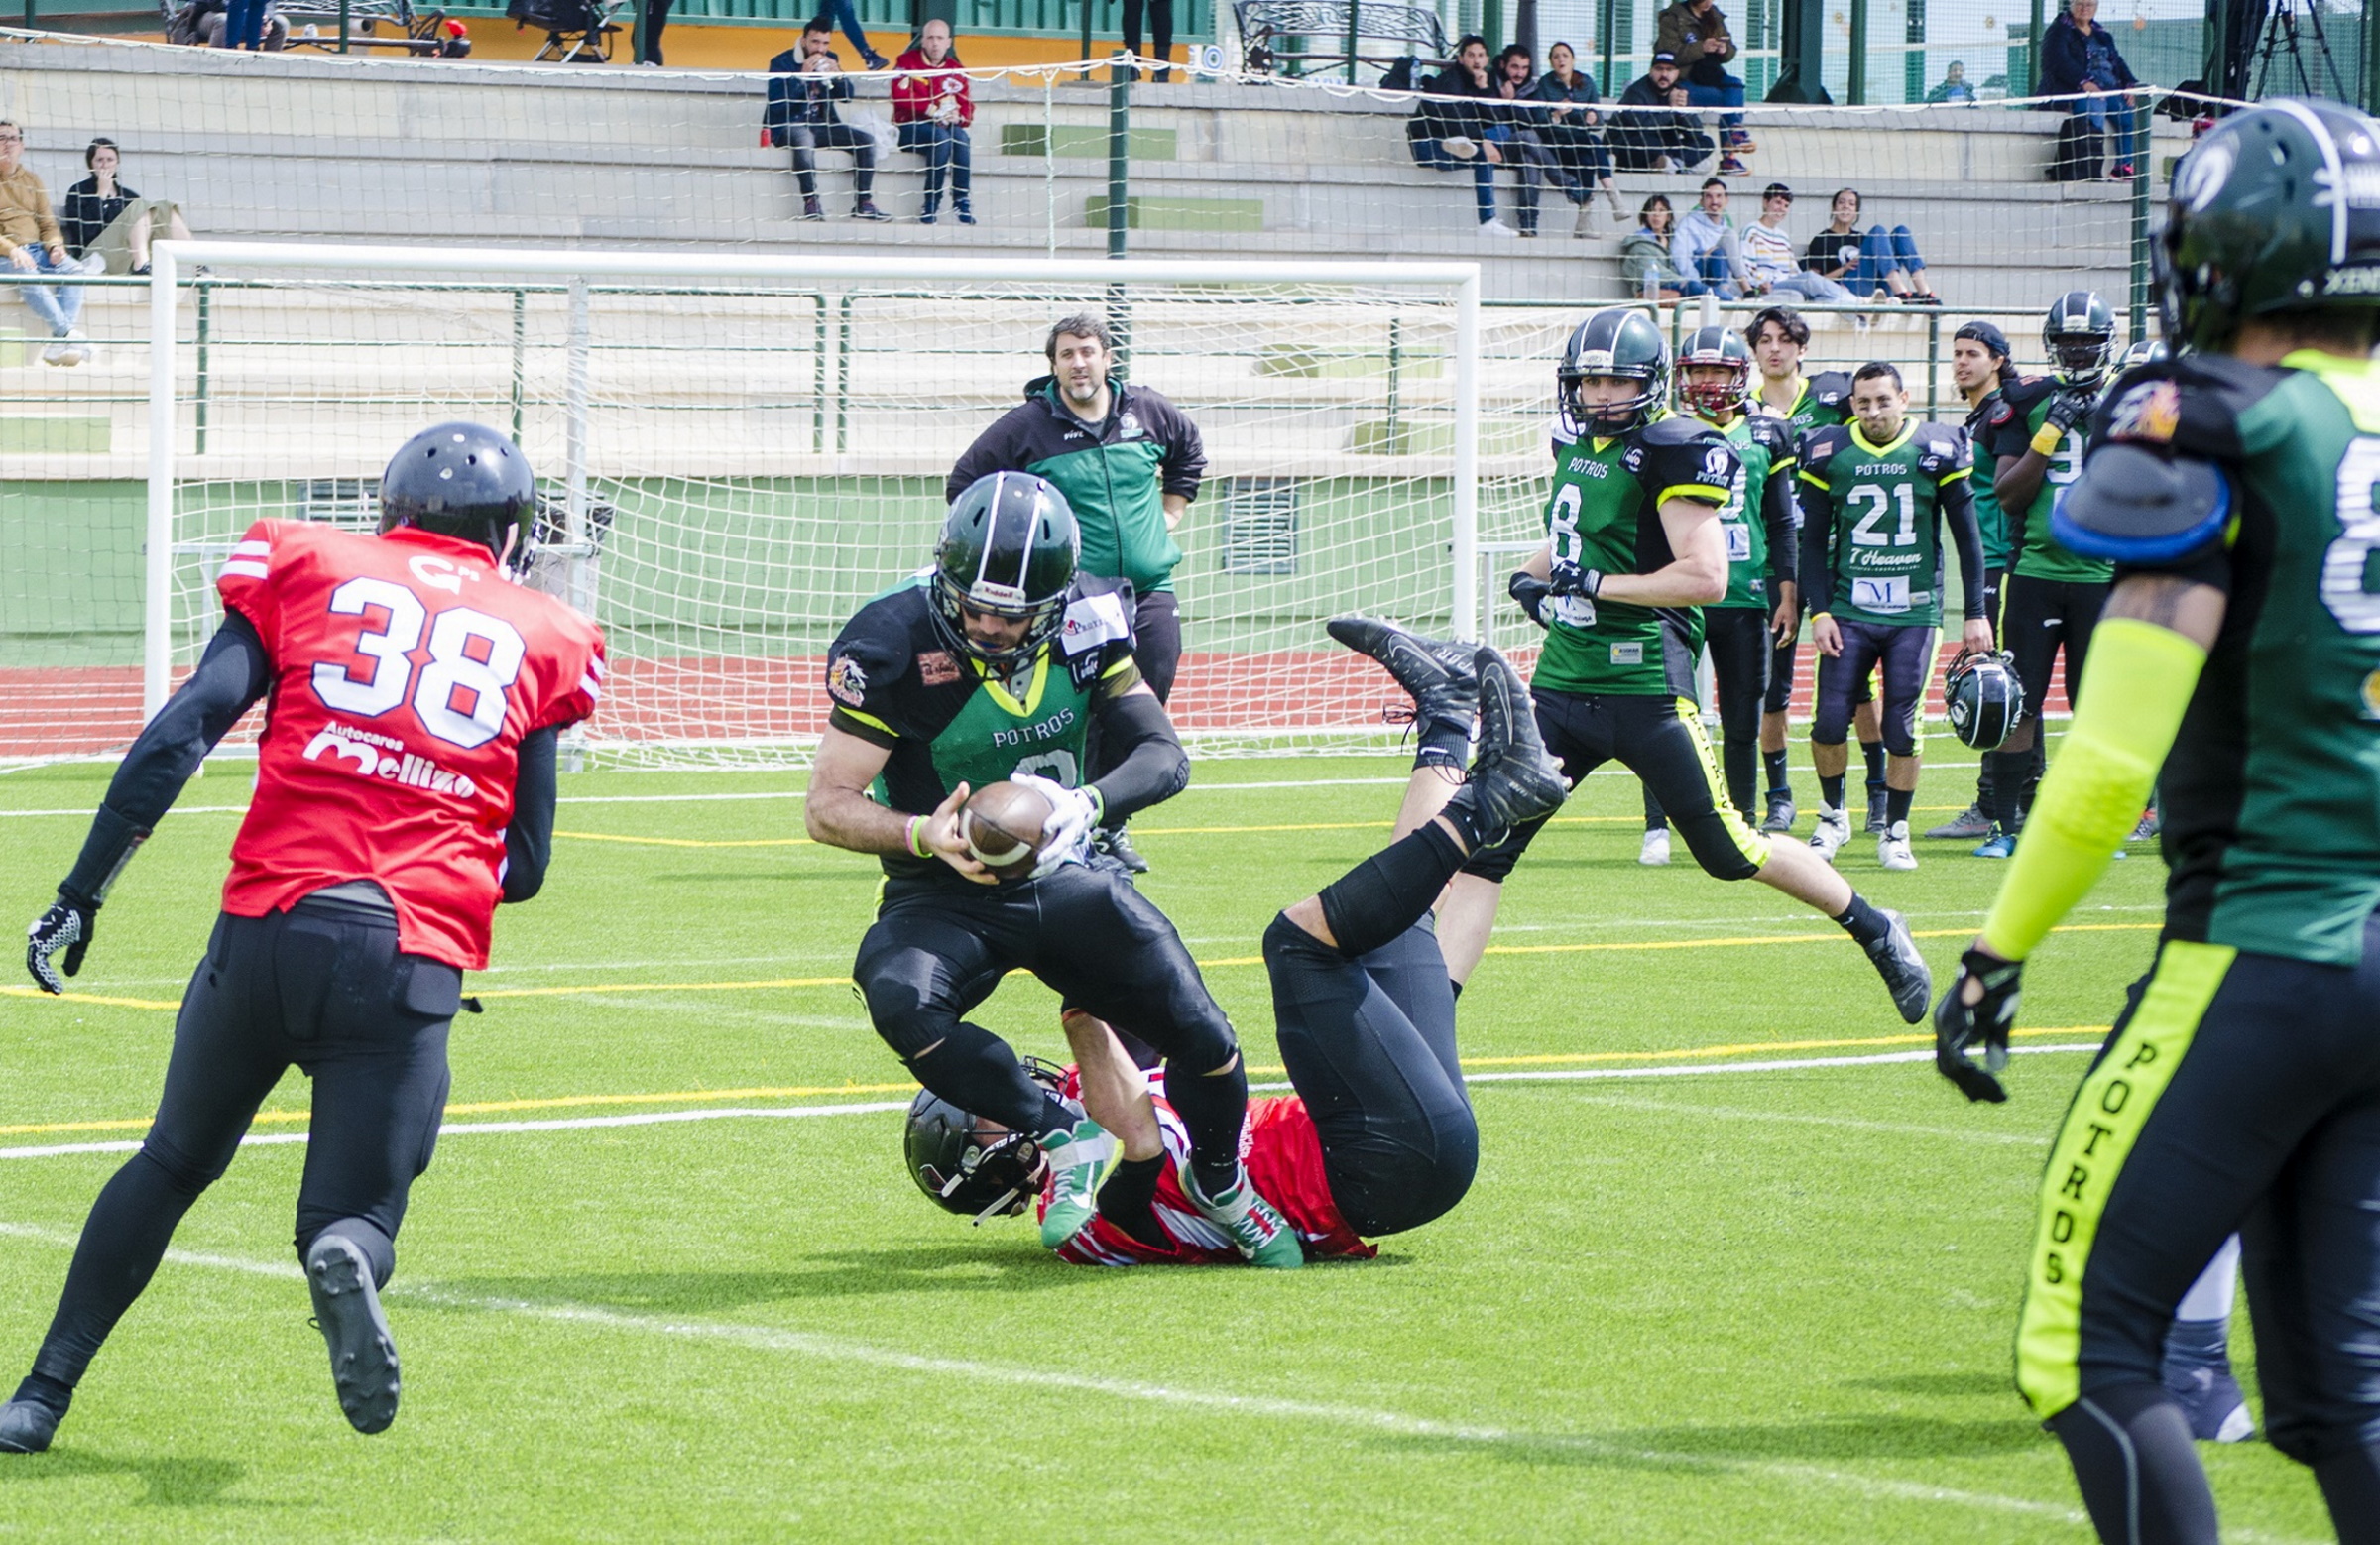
(2051, 597)
(2241, 1089)
(996, 662)
(1634, 550)
(1759, 610)
(1876, 496)
(1380, 1136)
(404, 787)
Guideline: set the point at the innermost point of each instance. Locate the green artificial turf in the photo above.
(1728, 1306)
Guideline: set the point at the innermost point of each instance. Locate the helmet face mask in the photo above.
(1619, 344)
(1008, 550)
(2080, 335)
(1714, 348)
(964, 1167)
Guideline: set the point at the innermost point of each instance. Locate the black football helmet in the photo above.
(1009, 547)
(1619, 341)
(969, 1171)
(459, 480)
(1984, 699)
(2079, 333)
(2274, 210)
(1724, 347)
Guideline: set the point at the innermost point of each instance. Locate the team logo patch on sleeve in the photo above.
(1092, 621)
(846, 682)
(935, 667)
(2151, 411)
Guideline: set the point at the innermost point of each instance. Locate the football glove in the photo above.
(1532, 594)
(1959, 1026)
(1570, 579)
(67, 926)
(2066, 410)
(1072, 814)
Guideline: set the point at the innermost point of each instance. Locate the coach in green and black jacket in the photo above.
(1127, 459)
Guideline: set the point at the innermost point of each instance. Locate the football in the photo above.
(1004, 822)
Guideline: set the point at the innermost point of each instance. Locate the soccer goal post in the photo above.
(737, 450)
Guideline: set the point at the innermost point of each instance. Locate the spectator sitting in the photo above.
(1706, 244)
(31, 241)
(1768, 255)
(1450, 127)
(931, 108)
(1645, 263)
(1694, 33)
(801, 115)
(2078, 59)
(1521, 117)
(1569, 132)
(203, 23)
(1644, 137)
(110, 223)
(1877, 262)
(1954, 88)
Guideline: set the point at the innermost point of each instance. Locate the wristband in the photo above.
(2047, 441)
(910, 839)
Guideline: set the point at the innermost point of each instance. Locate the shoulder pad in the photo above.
(2021, 393)
(1098, 613)
(2133, 506)
(1676, 429)
(1822, 443)
(1944, 441)
(1775, 433)
(2194, 400)
(1831, 386)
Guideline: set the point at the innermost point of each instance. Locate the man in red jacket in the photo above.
(932, 109)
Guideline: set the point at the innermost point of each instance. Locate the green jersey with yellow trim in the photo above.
(2024, 407)
(1605, 513)
(1991, 523)
(1763, 450)
(1823, 401)
(1877, 510)
(2271, 794)
(895, 682)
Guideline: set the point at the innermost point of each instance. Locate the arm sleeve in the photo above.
(1817, 575)
(1152, 766)
(1958, 508)
(528, 840)
(231, 676)
(2140, 682)
(1776, 512)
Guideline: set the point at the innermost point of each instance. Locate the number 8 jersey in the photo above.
(406, 671)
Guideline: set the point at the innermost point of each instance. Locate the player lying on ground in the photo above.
(1379, 1138)
(404, 785)
(995, 665)
(2231, 488)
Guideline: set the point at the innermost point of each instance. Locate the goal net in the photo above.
(737, 452)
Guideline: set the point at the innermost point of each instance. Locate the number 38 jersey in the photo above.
(1605, 513)
(406, 671)
(1878, 511)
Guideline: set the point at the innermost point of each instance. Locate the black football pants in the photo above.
(321, 986)
(1741, 649)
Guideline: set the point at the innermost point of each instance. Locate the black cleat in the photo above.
(1967, 825)
(1116, 845)
(1437, 672)
(27, 1426)
(1781, 812)
(1905, 972)
(1879, 817)
(363, 1360)
(1513, 779)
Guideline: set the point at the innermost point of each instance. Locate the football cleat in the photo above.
(1999, 845)
(1905, 972)
(1971, 822)
(2151, 824)
(1879, 814)
(362, 1359)
(1116, 845)
(1782, 811)
(1077, 1160)
(1513, 779)
(2209, 1395)
(1438, 674)
(26, 1427)
(1259, 1231)
(1655, 851)
(1893, 849)
(1832, 831)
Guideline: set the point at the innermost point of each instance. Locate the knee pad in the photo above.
(1723, 848)
(1203, 1043)
(898, 1006)
(186, 1175)
(1900, 733)
(1283, 938)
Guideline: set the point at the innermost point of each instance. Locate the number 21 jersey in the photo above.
(406, 671)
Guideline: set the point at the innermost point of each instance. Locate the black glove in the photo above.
(67, 925)
(1570, 579)
(1531, 592)
(1959, 1025)
(2066, 410)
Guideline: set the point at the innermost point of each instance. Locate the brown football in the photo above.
(1004, 822)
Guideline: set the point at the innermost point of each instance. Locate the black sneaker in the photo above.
(1879, 815)
(1439, 673)
(1513, 779)
(2209, 1395)
(1782, 811)
(867, 210)
(26, 1427)
(1905, 972)
(362, 1359)
(1116, 845)
(1968, 824)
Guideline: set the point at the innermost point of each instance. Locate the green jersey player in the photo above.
(2233, 488)
(1634, 550)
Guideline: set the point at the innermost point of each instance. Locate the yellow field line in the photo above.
(168, 1005)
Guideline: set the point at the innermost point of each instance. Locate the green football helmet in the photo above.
(1009, 549)
(1709, 347)
(2079, 333)
(1619, 341)
(2275, 209)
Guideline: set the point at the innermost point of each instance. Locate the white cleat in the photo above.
(1893, 849)
(1656, 847)
(1834, 830)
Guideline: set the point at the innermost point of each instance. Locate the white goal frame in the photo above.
(169, 259)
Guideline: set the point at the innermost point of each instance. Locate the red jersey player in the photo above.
(404, 785)
(1379, 1136)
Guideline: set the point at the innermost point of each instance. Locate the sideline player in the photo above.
(1759, 610)
(995, 662)
(1633, 548)
(2052, 596)
(1128, 463)
(1779, 336)
(1380, 1136)
(1876, 496)
(2240, 1088)
(404, 788)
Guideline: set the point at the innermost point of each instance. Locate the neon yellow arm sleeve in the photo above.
(2140, 680)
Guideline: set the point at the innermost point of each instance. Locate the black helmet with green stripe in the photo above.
(1009, 547)
(1621, 342)
(2275, 209)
